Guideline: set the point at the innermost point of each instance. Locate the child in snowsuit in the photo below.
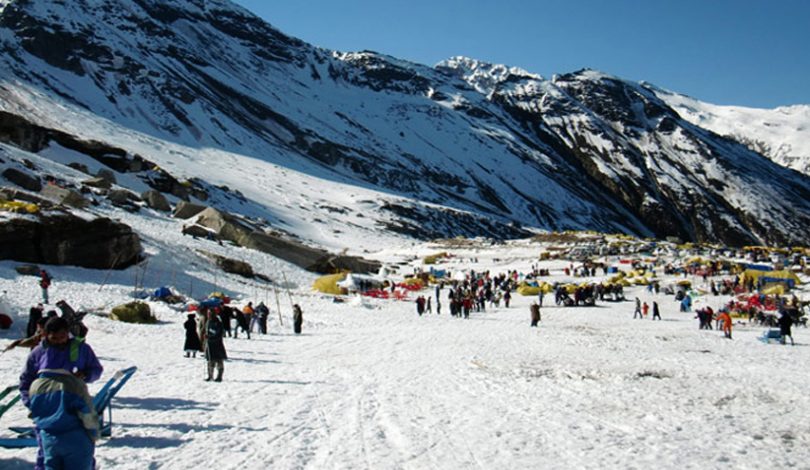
(48, 380)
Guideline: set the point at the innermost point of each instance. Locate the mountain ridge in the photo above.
(579, 151)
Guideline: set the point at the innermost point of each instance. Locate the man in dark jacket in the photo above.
(298, 319)
(262, 312)
(214, 347)
(785, 322)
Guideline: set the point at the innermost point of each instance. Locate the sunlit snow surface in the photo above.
(369, 384)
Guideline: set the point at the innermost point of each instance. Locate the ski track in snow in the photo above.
(373, 386)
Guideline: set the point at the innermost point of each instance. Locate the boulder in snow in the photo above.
(156, 200)
(106, 175)
(22, 179)
(64, 196)
(185, 210)
(98, 182)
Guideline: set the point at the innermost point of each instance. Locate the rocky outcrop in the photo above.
(69, 240)
(22, 179)
(229, 227)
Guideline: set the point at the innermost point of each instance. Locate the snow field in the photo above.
(372, 385)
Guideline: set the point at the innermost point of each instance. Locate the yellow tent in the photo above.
(413, 281)
(526, 290)
(18, 206)
(328, 284)
(775, 289)
(771, 276)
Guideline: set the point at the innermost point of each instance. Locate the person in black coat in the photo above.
(226, 315)
(656, 312)
(263, 312)
(214, 347)
(298, 319)
(785, 322)
(34, 315)
(192, 344)
(535, 311)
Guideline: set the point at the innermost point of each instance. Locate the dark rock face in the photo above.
(70, 240)
(22, 179)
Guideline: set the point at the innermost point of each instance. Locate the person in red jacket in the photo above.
(725, 318)
(44, 283)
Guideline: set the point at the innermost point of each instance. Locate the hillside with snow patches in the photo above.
(782, 134)
(464, 148)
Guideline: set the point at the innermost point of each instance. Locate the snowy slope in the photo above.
(464, 148)
(782, 134)
(372, 385)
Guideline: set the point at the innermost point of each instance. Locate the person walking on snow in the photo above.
(44, 282)
(785, 322)
(535, 311)
(248, 312)
(645, 309)
(192, 344)
(262, 312)
(637, 311)
(214, 347)
(725, 318)
(298, 319)
(656, 312)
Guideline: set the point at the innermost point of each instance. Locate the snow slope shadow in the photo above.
(163, 404)
(144, 442)
(15, 464)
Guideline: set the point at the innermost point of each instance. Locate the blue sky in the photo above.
(741, 52)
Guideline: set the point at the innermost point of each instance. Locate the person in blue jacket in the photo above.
(53, 386)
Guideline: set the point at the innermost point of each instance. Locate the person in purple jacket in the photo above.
(58, 351)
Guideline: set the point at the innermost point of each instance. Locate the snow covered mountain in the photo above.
(312, 139)
(781, 134)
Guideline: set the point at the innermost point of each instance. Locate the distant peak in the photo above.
(484, 76)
